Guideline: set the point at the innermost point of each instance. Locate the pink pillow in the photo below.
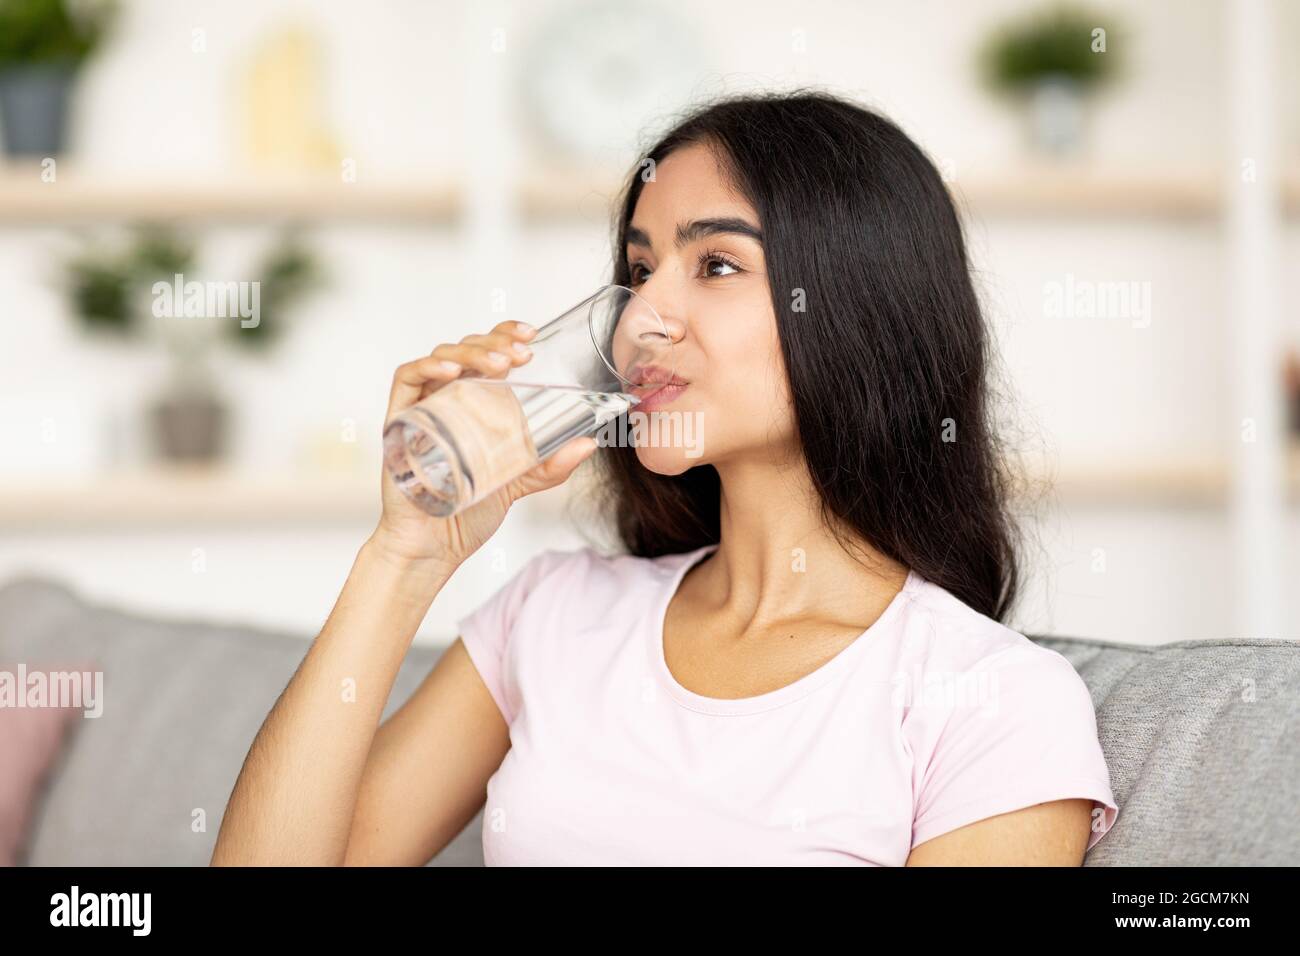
(31, 739)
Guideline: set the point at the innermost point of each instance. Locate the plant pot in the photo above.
(34, 108)
(1056, 116)
(189, 427)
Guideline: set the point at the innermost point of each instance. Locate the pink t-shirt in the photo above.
(935, 717)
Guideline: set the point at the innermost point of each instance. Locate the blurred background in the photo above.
(404, 172)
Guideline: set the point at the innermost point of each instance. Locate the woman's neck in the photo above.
(778, 561)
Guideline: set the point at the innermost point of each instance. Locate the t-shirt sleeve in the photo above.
(1018, 730)
(488, 632)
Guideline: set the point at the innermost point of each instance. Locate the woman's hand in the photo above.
(407, 533)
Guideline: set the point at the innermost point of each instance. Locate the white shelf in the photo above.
(75, 198)
(179, 496)
(186, 495)
(1021, 190)
(1025, 190)
(1197, 484)
(1090, 192)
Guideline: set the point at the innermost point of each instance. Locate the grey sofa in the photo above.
(1202, 738)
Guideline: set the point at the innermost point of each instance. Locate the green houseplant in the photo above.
(43, 44)
(1050, 61)
(145, 289)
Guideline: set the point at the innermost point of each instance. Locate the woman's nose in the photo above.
(657, 349)
(670, 314)
(675, 327)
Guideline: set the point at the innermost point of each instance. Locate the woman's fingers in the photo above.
(410, 380)
(503, 336)
(521, 331)
(492, 354)
(507, 338)
(555, 469)
(489, 361)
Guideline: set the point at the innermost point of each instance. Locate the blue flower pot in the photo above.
(34, 108)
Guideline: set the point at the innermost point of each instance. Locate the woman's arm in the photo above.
(428, 769)
(1045, 834)
(321, 784)
(296, 794)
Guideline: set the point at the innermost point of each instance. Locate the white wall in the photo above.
(1093, 392)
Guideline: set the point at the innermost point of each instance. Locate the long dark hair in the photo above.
(887, 361)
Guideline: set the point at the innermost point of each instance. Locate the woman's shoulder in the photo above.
(994, 722)
(943, 633)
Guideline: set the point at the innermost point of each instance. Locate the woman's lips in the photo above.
(658, 386)
(662, 395)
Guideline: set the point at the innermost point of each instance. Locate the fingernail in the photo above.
(525, 328)
(497, 358)
(449, 366)
(523, 351)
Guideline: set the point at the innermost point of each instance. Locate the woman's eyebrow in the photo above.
(698, 229)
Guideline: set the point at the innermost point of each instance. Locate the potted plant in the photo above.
(43, 43)
(147, 290)
(1049, 62)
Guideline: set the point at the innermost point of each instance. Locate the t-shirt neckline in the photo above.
(839, 664)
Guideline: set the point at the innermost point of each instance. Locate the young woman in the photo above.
(801, 657)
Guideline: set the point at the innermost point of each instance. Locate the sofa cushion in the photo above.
(147, 782)
(1202, 740)
(1200, 737)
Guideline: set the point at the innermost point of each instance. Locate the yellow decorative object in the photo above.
(334, 450)
(283, 108)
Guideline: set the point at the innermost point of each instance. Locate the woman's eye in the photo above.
(713, 266)
(712, 263)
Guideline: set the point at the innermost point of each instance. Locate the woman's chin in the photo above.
(667, 460)
(669, 441)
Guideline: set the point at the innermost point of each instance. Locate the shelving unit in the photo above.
(1024, 189)
(539, 195)
(78, 198)
(174, 496)
(168, 496)
(1028, 190)
(187, 495)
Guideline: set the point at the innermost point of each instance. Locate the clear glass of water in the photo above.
(473, 435)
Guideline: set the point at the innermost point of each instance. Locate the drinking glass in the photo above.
(477, 433)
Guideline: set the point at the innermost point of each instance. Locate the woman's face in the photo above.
(694, 252)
